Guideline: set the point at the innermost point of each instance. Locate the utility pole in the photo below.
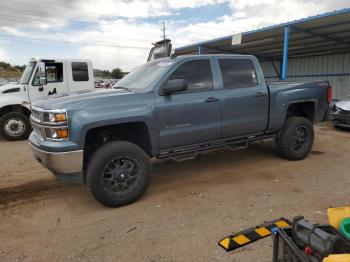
(163, 30)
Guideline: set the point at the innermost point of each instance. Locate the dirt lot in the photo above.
(187, 209)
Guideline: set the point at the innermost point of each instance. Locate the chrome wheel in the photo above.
(14, 127)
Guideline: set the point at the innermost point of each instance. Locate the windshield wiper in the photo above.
(122, 87)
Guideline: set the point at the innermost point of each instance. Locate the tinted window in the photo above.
(197, 74)
(238, 73)
(80, 71)
(54, 72)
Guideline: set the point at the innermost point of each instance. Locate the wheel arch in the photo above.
(15, 108)
(305, 109)
(136, 132)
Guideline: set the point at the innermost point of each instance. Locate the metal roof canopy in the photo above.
(323, 34)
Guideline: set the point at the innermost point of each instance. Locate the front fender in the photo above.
(88, 119)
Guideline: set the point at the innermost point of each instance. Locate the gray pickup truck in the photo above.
(171, 108)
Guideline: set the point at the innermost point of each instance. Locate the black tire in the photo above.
(20, 128)
(296, 138)
(132, 172)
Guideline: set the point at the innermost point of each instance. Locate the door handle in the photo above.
(211, 99)
(260, 94)
(41, 88)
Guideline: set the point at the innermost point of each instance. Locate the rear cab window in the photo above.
(80, 71)
(238, 73)
(197, 74)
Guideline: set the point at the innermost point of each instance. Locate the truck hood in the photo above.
(79, 99)
(9, 88)
(344, 104)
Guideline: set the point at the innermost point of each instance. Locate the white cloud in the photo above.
(4, 56)
(125, 42)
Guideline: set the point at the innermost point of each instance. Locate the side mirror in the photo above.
(42, 73)
(175, 85)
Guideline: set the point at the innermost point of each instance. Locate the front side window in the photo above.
(54, 72)
(80, 71)
(197, 74)
(238, 73)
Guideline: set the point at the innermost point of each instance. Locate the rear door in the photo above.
(80, 75)
(193, 116)
(245, 98)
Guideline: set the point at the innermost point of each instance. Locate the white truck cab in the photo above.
(42, 77)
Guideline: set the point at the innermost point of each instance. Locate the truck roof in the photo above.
(36, 59)
(214, 55)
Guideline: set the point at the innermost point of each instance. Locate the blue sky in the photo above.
(119, 33)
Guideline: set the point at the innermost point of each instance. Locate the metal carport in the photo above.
(316, 47)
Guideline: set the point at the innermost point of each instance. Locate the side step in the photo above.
(183, 157)
(237, 145)
(190, 152)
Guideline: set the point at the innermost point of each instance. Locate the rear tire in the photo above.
(118, 173)
(15, 126)
(296, 138)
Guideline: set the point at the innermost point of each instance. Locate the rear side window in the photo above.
(80, 71)
(197, 74)
(238, 73)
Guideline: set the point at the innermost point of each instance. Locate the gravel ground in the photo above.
(187, 209)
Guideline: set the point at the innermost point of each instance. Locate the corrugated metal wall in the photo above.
(335, 68)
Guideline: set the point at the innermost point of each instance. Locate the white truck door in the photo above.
(80, 75)
(56, 81)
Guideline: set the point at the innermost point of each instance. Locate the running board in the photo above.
(238, 145)
(191, 152)
(183, 157)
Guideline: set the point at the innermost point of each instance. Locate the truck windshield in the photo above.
(143, 76)
(27, 73)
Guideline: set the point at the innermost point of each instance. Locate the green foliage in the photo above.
(105, 74)
(117, 73)
(4, 65)
(7, 70)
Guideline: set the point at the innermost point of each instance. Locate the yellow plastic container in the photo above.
(337, 258)
(336, 215)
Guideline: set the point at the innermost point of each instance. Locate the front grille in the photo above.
(344, 112)
(38, 131)
(36, 116)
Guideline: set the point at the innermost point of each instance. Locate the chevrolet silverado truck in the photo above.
(171, 108)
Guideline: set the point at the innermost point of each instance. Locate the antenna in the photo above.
(163, 30)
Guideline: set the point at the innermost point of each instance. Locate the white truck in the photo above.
(62, 76)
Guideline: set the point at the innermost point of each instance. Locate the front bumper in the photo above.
(339, 120)
(66, 166)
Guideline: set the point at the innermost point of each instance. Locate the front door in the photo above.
(192, 116)
(56, 82)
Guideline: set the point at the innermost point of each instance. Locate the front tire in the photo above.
(296, 138)
(118, 173)
(15, 126)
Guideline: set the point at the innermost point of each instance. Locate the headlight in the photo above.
(335, 110)
(55, 117)
(57, 133)
(50, 124)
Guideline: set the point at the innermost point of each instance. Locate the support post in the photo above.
(285, 52)
(199, 50)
